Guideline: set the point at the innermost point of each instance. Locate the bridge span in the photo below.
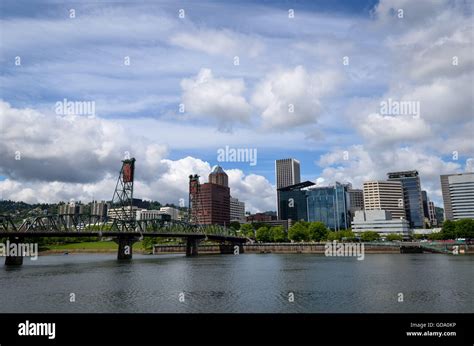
(124, 228)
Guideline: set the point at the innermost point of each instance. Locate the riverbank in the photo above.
(318, 248)
(89, 247)
(102, 247)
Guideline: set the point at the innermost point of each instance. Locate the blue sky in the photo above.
(335, 127)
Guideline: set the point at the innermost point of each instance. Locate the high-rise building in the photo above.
(448, 210)
(219, 177)
(385, 195)
(458, 195)
(210, 202)
(356, 200)
(424, 200)
(237, 210)
(329, 205)
(412, 197)
(292, 202)
(287, 173)
(432, 214)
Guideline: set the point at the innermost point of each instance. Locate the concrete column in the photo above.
(14, 260)
(125, 247)
(192, 246)
(230, 249)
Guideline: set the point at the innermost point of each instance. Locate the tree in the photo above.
(334, 236)
(392, 237)
(278, 234)
(264, 234)
(449, 230)
(369, 236)
(435, 236)
(317, 230)
(464, 228)
(235, 225)
(299, 232)
(247, 230)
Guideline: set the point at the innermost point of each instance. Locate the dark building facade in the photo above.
(412, 196)
(292, 202)
(210, 202)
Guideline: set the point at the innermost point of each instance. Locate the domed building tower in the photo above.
(219, 177)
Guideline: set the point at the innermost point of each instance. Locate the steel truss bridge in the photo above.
(125, 229)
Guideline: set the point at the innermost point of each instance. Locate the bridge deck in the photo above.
(122, 234)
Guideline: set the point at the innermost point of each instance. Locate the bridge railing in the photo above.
(59, 223)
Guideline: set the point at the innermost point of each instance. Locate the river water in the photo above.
(243, 283)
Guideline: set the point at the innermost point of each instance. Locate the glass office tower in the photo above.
(330, 205)
(412, 196)
(292, 202)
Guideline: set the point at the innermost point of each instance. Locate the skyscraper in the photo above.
(292, 202)
(329, 205)
(210, 202)
(432, 214)
(384, 195)
(412, 196)
(219, 177)
(356, 200)
(287, 173)
(458, 195)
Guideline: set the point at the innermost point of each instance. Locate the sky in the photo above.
(173, 83)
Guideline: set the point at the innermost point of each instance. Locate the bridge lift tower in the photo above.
(124, 220)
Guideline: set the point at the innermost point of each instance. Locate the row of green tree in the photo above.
(452, 230)
(303, 231)
(316, 231)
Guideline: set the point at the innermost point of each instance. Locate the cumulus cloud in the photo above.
(383, 129)
(291, 98)
(76, 157)
(218, 98)
(255, 190)
(357, 164)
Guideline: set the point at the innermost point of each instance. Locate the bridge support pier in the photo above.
(231, 249)
(14, 260)
(192, 246)
(125, 247)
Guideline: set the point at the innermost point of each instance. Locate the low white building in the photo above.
(379, 221)
(425, 231)
(144, 214)
(173, 212)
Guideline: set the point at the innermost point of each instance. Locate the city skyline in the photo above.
(315, 87)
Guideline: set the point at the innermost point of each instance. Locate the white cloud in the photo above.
(369, 163)
(383, 129)
(218, 42)
(218, 98)
(64, 158)
(255, 190)
(291, 98)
